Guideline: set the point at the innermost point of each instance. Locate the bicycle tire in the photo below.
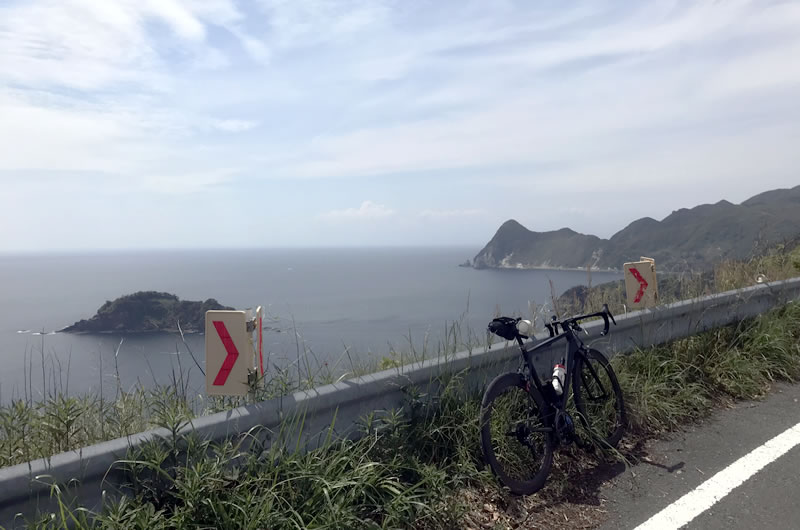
(511, 462)
(601, 428)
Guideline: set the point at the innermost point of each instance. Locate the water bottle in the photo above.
(558, 378)
(525, 328)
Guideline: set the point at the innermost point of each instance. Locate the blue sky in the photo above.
(216, 123)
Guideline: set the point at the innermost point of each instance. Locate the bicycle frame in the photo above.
(573, 348)
(553, 403)
(546, 423)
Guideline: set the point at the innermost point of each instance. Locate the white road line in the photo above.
(708, 493)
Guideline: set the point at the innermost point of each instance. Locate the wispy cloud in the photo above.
(367, 211)
(385, 99)
(571, 100)
(97, 45)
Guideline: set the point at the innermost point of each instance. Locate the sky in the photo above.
(133, 124)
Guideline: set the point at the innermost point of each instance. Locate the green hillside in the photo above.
(687, 239)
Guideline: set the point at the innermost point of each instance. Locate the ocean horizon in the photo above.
(342, 304)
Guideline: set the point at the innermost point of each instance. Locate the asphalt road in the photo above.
(680, 464)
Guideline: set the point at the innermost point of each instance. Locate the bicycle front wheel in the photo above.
(516, 442)
(598, 397)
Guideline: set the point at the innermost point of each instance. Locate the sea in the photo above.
(339, 307)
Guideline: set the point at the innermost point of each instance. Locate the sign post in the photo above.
(640, 283)
(260, 339)
(234, 363)
(229, 353)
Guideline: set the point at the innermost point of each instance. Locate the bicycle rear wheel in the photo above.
(515, 440)
(598, 397)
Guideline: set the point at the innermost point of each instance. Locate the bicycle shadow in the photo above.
(580, 482)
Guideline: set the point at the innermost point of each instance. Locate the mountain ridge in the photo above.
(686, 239)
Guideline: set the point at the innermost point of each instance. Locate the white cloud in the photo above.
(90, 86)
(89, 45)
(510, 110)
(149, 96)
(654, 69)
(754, 71)
(367, 211)
(179, 17)
(307, 23)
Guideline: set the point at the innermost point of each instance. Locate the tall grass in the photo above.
(31, 429)
(407, 467)
(669, 385)
(779, 263)
(414, 467)
(420, 466)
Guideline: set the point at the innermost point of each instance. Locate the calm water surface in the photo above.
(365, 299)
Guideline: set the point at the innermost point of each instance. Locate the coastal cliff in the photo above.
(687, 239)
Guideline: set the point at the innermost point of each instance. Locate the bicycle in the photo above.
(538, 413)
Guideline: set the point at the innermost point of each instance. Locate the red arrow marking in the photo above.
(233, 353)
(642, 285)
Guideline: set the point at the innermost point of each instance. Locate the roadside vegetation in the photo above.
(417, 467)
(39, 425)
(779, 263)
(420, 467)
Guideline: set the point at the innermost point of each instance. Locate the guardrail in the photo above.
(25, 488)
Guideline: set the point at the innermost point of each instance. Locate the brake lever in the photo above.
(608, 312)
(605, 327)
(553, 326)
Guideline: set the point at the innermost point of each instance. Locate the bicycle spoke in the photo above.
(522, 443)
(601, 410)
(596, 379)
(520, 453)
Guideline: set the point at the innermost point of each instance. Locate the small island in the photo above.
(146, 312)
